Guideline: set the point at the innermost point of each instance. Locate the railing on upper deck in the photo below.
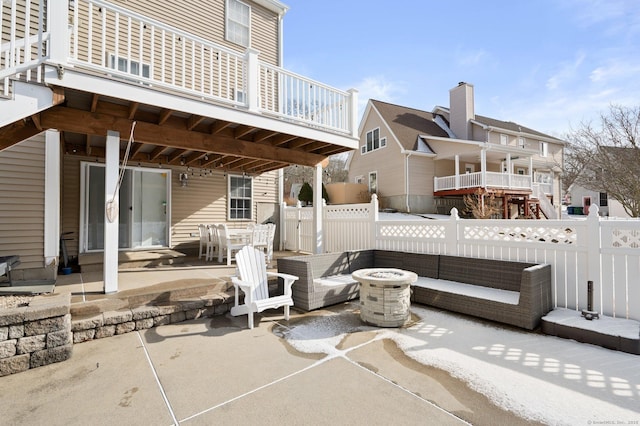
(475, 180)
(123, 44)
(109, 40)
(23, 42)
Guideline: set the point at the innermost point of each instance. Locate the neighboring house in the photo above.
(425, 162)
(216, 119)
(580, 199)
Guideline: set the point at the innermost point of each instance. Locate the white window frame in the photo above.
(358, 179)
(504, 139)
(231, 21)
(381, 141)
(520, 171)
(544, 149)
(129, 64)
(375, 177)
(231, 197)
(522, 142)
(469, 168)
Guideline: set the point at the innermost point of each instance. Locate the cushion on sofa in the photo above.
(470, 290)
(334, 280)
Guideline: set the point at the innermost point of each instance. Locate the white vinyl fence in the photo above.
(605, 251)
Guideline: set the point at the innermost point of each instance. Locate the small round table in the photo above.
(385, 295)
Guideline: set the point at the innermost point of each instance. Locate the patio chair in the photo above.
(213, 244)
(227, 244)
(204, 240)
(272, 234)
(260, 238)
(252, 279)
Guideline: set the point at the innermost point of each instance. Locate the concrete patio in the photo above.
(323, 367)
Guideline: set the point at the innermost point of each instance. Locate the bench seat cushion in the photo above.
(334, 280)
(470, 290)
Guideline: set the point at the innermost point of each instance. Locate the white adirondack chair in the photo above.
(204, 240)
(252, 280)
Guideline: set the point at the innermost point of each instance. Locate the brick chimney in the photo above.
(461, 110)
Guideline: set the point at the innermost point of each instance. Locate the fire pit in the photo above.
(385, 295)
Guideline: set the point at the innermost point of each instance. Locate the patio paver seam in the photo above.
(334, 352)
(157, 379)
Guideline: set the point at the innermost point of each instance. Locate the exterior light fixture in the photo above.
(184, 179)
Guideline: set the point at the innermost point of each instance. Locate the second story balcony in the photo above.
(105, 50)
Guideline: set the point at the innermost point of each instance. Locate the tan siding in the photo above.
(207, 20)
(204, 200)
(22, 202)
(70, 200)
(421, 171)
(388, 162)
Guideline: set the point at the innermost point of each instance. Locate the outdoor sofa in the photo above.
(513, 293)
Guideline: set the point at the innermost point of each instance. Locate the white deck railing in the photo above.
(23, 43)
(606, 252)
(475, 180)
(107, 40)
(160, 56)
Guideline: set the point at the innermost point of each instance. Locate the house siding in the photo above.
(388, 162)
(207, 20)
(22, 183)
(204, 200)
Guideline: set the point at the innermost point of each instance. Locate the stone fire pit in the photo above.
(385, 295)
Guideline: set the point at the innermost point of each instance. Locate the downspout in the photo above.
(406, 182)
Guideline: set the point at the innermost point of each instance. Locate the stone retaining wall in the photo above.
(110, 323)
(35, 335)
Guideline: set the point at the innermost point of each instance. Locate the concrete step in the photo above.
(93, 262)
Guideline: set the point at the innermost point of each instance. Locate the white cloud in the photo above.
(566, 72)
(378, 87)
(470, 58)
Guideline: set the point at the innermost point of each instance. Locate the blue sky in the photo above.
(545, 64)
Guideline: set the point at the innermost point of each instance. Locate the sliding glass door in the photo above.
(143, 208)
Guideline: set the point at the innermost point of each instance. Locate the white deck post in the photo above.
(509, 170)
(354, 112)
(594, 244)
(253, 78)
(58, 20)
(457, 171)
(52, 197)
(531, 173)
(483, 168)
(452, 233)
(373, 220)
(318, 247)
(112, 159)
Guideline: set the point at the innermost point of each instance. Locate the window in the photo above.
(373, 182)
(373, 142)
(504, 140)
(544, 149)
(240, 197)
(604, 201)
(521, 142)
(359, 179)
(238, 22)
(134, 66)
(520, 171)
(469, 168)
